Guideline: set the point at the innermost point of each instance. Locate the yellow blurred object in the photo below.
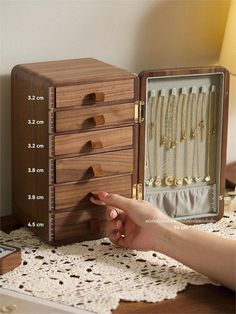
(228, 50)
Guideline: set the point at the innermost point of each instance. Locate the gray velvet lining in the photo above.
(192, 201)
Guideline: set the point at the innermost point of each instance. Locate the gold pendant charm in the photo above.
(150, 183)
(207, 178)
(173, 145)
(198, 179)
(169, 180)
(202, 124)
(183, 136)
(188, 180)
(163, 140)
(178, 181)
(157, 181)
(193, 134)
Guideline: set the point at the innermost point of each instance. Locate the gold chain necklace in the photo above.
(181, 103)
(150, 127)
(159, 106)
(213, 90)
(169, 180)
(184, 116)
(191, 104)
(202, 101)
(196, 166)
(210, 130)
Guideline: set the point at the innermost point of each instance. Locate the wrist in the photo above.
(167, 232)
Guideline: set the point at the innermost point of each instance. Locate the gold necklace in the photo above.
(163, 123)
(159, 105)
(188, 179)
(182, 99)
(212, 105)
(202, 101)
(169, 180)
(196, 165)
(183, 115)
(151, 125)
(213, 90)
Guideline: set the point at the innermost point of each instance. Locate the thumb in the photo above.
(137, 211)
(115, 200)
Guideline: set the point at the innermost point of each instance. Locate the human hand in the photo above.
(132, 224)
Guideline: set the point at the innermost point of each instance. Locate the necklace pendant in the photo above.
(157, 181)
(178, 181)
(193, 134)
(198, 179)
(188, 180)
(183, 136)
(169, 180)
(207, 178)
(202, 124)
(173, 145)
(163, 140)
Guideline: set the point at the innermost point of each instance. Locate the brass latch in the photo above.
(139, 111)
(138, 191)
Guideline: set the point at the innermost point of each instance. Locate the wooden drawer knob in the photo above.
(96, 144)
(94, 225)
(98, 96)
(97, 170)
(98, 120)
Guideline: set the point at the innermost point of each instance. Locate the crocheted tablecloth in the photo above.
(96, 275)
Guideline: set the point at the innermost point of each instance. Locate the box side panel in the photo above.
(30, 151)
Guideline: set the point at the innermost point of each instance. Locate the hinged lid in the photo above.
(170, 84)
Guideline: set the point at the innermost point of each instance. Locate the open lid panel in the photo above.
(182, 141)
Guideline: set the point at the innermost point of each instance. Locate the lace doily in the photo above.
(96, 275)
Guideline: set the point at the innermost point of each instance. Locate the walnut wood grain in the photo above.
(76, 196)
(76, 71)
(94, 117)
(81, 95)
(23, 183)
(81, 225)
(203, 299)
(81, 143)
(11, 261)
(80, 168)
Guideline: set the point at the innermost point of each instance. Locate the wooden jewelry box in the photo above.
(83, 125)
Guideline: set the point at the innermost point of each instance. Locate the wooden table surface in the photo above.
(204, 299)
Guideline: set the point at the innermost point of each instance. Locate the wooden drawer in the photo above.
(78, 224)
(94, 117)
(97, 165)
(94, 142)
(88, 94)
(76, 196)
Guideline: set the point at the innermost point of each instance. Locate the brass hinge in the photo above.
(139, 111)
(138, 191)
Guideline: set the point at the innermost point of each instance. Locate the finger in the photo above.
(115, 200)
(96, 201)
(117, 238)
(113, 212)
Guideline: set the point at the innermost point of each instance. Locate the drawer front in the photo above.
(94, 117)
(89, 94)
(94, 166)
(77, 224)
(94, 142)
(76, 196)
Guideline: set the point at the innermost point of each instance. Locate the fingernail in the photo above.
(100, 194)
(113, 214)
